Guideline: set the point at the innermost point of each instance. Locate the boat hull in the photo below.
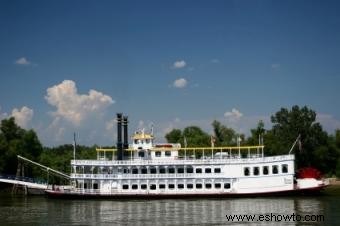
(82, 195)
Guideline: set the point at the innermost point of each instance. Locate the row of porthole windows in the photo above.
(265, 170)
(141, 154)
(179, 186)
(170, 170)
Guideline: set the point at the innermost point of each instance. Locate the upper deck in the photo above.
(183, 161)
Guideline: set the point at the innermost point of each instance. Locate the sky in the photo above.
(70, 66)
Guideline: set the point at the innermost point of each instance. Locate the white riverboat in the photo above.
(146, 169)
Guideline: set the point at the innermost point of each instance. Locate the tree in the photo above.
(174, 136)
(288, 125)
(256, 133)
(196, 137)
(16, 141)
(224, 136)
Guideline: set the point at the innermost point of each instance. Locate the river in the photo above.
(40, 210)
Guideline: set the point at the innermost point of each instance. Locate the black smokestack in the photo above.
(119, 137)
(125, 132)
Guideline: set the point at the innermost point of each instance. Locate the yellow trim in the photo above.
(187, 149)
(142, 136)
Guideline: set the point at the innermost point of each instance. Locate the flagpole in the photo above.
(74, 146)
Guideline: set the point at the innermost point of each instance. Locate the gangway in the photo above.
(48, 169)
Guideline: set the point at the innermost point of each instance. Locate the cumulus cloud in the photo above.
(75, 107)
(233, 115)
(179, 64)
(22, 116)
(22, 61)
(180, 83)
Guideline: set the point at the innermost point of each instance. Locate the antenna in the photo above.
(74, 146)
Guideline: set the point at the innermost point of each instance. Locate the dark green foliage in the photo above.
(224, 136)
(17, 141)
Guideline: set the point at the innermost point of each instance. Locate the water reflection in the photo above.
(188, 212)
(43, 211)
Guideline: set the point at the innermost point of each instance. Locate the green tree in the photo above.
(16, 141)
(196, 137)
(174, 136)
(288, 125)
(256, 133)
(224, 136)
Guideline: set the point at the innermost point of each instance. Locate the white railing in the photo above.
(212, 161)
(146, 176)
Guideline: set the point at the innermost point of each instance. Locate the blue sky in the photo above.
(170, 63)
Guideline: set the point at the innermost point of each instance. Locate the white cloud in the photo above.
(179, 64)
(110, 124)
(215, 61)
(180, 83)
(22, 116)
(328, 122)
(22, 61)
(234, 115)
(276, 66)
(75, 107)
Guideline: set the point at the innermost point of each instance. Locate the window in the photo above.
(198, 170)
(190, 186)
(208, 186)
(143, 186)
(141, 154)
(190, 170)
(136, 141)
(180, 170)
(284, 168)
(171, 170)
(95, 186)
(134, 171)
(246, 171)
(153, 170)
(207, 170)
(226, 185)
(147, 141)
(171, 186)
(158, 154)
(256, 171)
(125, 186)
(162, 186)
(275, 169)
(134, 187)
(217, 185)
(198, 186)
(217, 170)
(126, 171)
(152, 187)
(144, 170)
(162, 170)
(180, 186)
(167, 153)
(265, 170)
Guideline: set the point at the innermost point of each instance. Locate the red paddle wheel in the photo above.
(308, 172)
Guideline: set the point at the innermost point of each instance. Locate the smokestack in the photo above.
(119, 137)
(125, 132)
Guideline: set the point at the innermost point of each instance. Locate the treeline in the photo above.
(17, 141)
(316, 148)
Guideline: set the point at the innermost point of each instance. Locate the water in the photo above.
(20, 210)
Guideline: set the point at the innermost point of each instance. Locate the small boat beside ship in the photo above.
(146, 169)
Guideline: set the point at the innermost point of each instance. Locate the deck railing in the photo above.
(213, 161)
